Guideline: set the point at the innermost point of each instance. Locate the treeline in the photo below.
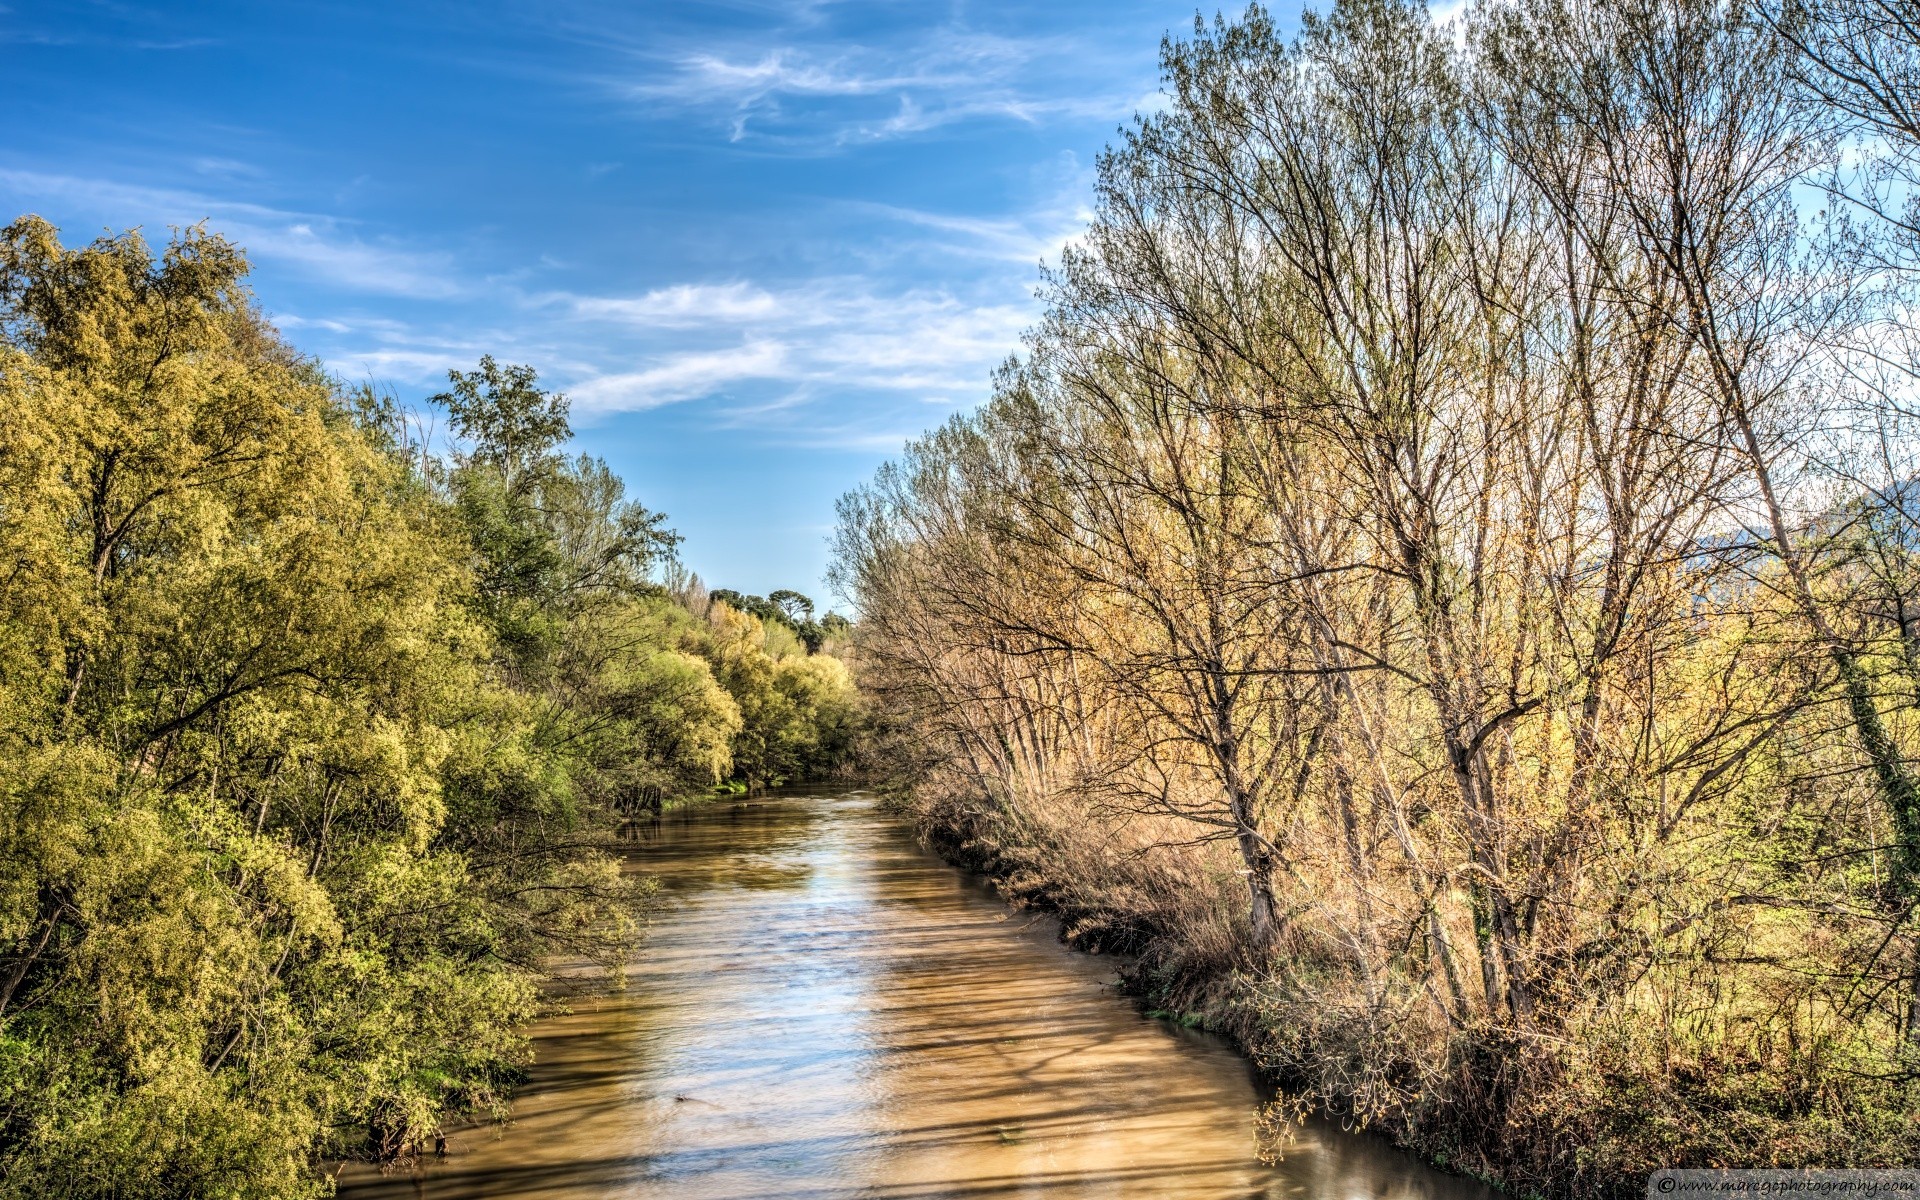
(793, 612)
(1441, 582)
(313, 741)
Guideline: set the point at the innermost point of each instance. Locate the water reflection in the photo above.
(824, 1010)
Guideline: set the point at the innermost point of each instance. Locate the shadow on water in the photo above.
(822, 1009)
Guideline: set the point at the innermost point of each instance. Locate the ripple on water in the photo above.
(825, 1010)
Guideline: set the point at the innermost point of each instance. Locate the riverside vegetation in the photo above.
(1442, 583)
(312, 741)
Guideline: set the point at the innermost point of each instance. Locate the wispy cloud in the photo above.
(186, 43)
(837, 94)
(553, 184)
(675, 377)
(225, 167)
(845, 333)
(681, 306)
(1024, 238)
(116, 26)
(777, 359)
(767, 355)
(318, 246)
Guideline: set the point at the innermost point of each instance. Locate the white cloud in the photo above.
(711, 77)
(1026, 239)
(318, 246)
(768, 354)
(226, 167)
(682, 306)
(417, 365)
(847, 332)
(321, 251)
(839, 95)
(677, 377)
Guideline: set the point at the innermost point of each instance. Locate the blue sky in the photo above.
(759, 243)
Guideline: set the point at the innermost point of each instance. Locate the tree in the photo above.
(512, 424)
(795, 607)
(1449, 507)
(262, 796)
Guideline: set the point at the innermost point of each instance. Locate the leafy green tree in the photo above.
(799, 714)
(312, 745)
(512, 424)
(281, 851)
(792, 605)
(550, 535)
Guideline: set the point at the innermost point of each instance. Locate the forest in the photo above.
(1440, 585)
(317, 729)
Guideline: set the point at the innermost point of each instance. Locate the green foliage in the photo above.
(789, 610)
(800, 714)
(311, 744)
(512, 424)
(551, 537)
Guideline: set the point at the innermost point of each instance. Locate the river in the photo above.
(823, 1009)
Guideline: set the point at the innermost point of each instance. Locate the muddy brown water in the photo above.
(824, 1009)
